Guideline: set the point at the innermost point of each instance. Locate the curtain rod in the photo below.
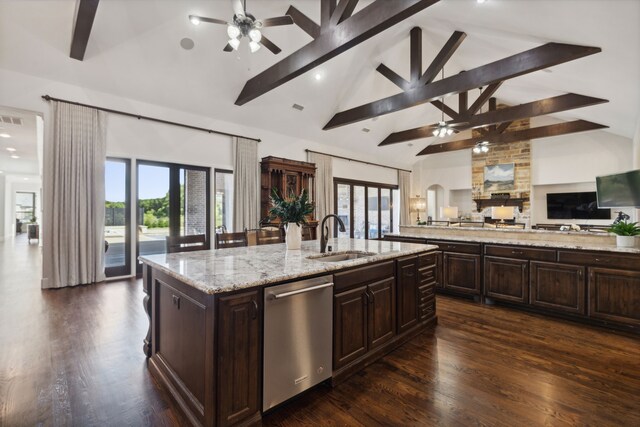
(152, 119)
(359, 161)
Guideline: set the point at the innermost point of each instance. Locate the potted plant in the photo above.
(291, 211)
(625, 233)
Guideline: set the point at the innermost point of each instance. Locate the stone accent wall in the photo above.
(195, 200)
(518, 153)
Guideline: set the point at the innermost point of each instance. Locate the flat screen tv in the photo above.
(621, 190)
(582, 205)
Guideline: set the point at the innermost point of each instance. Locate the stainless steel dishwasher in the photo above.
(298, 325)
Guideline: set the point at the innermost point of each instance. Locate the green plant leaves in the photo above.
(292, 209)
(624, 228)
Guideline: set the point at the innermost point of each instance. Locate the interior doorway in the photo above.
(435, 199)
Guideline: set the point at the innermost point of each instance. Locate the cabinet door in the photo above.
(558, 287)
(506, 279)
(238, 357)
(407, 293)
(350, 326)
(382, 312)
(461, 272)
(614, 295)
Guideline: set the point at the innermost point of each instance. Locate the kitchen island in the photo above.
(206, 309)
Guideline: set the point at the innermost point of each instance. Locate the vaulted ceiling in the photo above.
(134, 51)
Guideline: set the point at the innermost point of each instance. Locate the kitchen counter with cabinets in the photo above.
(207, 311)
(590, 281)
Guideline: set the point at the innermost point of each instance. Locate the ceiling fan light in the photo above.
(194, 20)
(484, 149)
(449, 131)
(233, 31)
(255, 35)
(234, 43)
(435, 132)
(254, 46)
(476, 150)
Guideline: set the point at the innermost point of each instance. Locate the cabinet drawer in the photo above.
(427, 275)
(520, 252)
(426, 291)
(465, 248)
(427, 260)
(600, 259)
(358, 276)
(404, 239)
(427, 309)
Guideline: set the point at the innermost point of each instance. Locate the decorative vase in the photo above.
(626, 241)
(293, 237)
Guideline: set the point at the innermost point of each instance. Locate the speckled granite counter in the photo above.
(540, 238)
(225, 270)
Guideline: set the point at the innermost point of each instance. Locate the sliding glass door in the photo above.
(117, 257)
(173, 200)
(366, 208)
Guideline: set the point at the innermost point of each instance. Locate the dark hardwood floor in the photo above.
(74, 357)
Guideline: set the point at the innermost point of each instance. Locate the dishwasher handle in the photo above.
(301, 291)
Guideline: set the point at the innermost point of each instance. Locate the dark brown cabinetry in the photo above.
(239, 364)
(407, 293)
(461, 273)
(558, 287)
(382, 312)
(614, 295)
(506, 279)
(350, 326)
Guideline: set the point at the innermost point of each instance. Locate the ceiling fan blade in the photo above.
(238, 9)
(277, 21)
(228, 48)
(209, 20)
(270, 45)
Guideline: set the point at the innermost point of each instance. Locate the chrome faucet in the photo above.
(324, 237)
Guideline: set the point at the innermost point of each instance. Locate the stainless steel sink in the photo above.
(342, 256)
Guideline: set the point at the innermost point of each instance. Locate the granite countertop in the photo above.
(225, 270)
(537, 243)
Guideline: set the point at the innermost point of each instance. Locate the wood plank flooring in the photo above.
(74, 357)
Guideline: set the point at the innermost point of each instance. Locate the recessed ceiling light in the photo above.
(318, 76)
(481, 1)
(365, 130)
(5, 135)
(410, 144)
(15, 157)
(11, 149)
(187, 44)
(297, 107)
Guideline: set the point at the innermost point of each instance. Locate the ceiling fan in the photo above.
(245, 24)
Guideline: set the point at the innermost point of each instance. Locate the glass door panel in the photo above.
(153, 211)
(117, 257)
(395, 209)
(343, 209)
(359, 218)
(194, 208)
(385, 211)
(372, 212)
(224, 201)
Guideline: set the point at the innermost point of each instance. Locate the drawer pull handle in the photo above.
(516, 252)
(255, 309)
(602, 259)
(176, 301)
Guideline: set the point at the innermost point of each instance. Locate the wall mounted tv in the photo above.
(582, 205)
(621, 190)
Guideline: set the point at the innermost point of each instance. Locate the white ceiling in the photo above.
(23, 138)
(134, 51)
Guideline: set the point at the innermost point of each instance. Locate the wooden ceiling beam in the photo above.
(394, 77)
(522, 63)
(442, 57)
(415, 64)
(371, 20)
(343, 11)
(541, 107)
(445, 109)
(304, 22)
(483, 98)
(82, 29)
(518, 135)
(327, 7)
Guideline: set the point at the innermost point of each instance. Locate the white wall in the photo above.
(450, 170)
(539, 203)
(2, 207)
(12, 185)
(360, 171)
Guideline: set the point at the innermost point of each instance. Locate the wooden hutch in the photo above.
(287, 177)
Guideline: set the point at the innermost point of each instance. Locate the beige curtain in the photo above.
(246, 175)
(324, 186)
(404, 184)
(73, 241)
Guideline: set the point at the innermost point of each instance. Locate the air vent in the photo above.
(297, 107)
(365, 130)
(11, 120)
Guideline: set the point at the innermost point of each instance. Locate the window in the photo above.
(366, 208)
(224, 201)
(25, 206)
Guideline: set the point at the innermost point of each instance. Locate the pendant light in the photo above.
(443, 129)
